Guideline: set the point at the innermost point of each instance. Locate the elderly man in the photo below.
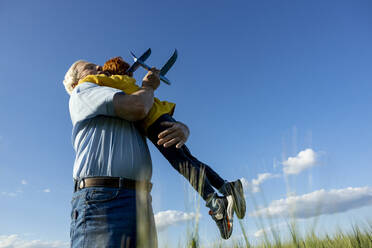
(111, 204)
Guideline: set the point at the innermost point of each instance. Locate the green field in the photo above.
(358, 238)
(360, 235)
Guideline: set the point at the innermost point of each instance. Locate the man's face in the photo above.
(86, 68)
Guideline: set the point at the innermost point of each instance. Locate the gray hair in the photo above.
(71, 77)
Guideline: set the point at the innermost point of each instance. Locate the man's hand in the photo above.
(151, 79)
(177, 133)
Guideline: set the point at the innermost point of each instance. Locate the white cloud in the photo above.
(16, 241)
(304, 160)
(317, 203)
(14, 193)
(274, 228)
(46, 190)
(254, 185)
(261, 232)
(10, 194)
(167, 218)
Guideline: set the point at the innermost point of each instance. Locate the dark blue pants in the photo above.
(202, 177)
(110, 217)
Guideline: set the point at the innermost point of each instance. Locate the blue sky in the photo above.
(257, 82)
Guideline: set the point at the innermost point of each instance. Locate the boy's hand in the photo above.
(151, 79)
(177, 133)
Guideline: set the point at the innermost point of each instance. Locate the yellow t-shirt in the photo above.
(128, 85)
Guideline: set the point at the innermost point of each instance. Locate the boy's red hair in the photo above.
(116, 66)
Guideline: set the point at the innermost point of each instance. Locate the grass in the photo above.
(360, 236)
(357, 238)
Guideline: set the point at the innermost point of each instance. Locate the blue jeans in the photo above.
(109, 217)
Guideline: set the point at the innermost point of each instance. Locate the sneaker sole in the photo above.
(229, 217)
(239, 200)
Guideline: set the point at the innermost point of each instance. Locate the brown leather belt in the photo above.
(111, 182)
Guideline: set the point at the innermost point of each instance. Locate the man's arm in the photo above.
(136, 106)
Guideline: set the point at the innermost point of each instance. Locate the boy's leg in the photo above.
(195, 172)
(235, 189)
(186, 166)
(224, 187)
(215, 179)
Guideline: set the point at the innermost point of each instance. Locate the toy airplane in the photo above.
(141, 62)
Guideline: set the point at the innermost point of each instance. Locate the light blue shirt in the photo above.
(105, 145)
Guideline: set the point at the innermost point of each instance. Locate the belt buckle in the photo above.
(81, 184)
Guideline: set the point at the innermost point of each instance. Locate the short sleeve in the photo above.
(89, 100)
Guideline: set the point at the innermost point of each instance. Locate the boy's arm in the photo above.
(177, 133)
